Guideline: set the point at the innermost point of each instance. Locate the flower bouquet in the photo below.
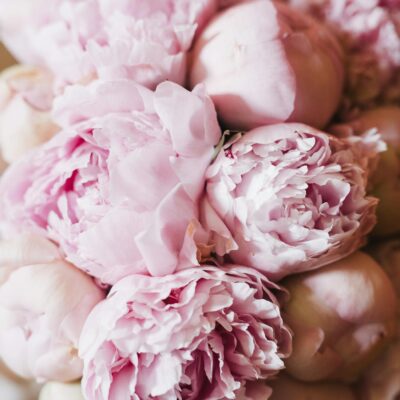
(188, 187)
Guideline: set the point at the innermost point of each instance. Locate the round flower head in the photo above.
(286, 388)
(119, 189)
(198, 334)
(263, 62)
(385, 181)
(145, 41)
(342, 317)
(44, 303)
(287, 198)
(26, 99)
(370, 33)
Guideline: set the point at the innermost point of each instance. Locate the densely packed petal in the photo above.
(107, 39)
(201, 333)
(119, 189)
(287, 198)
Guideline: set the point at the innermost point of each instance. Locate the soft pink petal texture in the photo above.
(288, 198)
(118, 188)
(370, 33)
(342, 317)
(44, 302)
(26, 249)
(202, 333)
(79, 41)
(25, 102)
(384, 182)
(285, 388)
(263, 63)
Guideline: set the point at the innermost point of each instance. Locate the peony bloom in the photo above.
(61, 391)
(286, 388)
(109, 39)
(370, 33)
(201, 333)
(119, 189)
(25, 102)
(263, 63)
(382, 379)
(342, 316)
(44, 303)
(287, 198)
(385, 182)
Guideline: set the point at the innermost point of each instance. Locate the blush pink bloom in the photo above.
(198, 334)
(385, 181)
(44, 303)
(286, 388)
(110, 39)
(263, 63)
(61, 391)
(287, 198)
(26, 99)
(342, 317)
(370, 33)
(119, 189)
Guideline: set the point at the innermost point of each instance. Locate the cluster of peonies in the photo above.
(188, 193)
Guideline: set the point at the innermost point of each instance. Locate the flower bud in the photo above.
(342, 316)
(263, 62)
(44, 303)
(25, 102)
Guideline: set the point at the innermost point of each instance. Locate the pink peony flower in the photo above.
(342, 317)
(118, 190)
(370, 33)
(263, 63)
(287, 198)
(110, 39)
(385, 182)
(286, 388)
(44, 303)
(61, 391)
(382, 379)
(198, 334)
(26, 99)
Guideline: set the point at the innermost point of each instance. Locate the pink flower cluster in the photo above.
(370, 33)
(105, 39)
(189, 228)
